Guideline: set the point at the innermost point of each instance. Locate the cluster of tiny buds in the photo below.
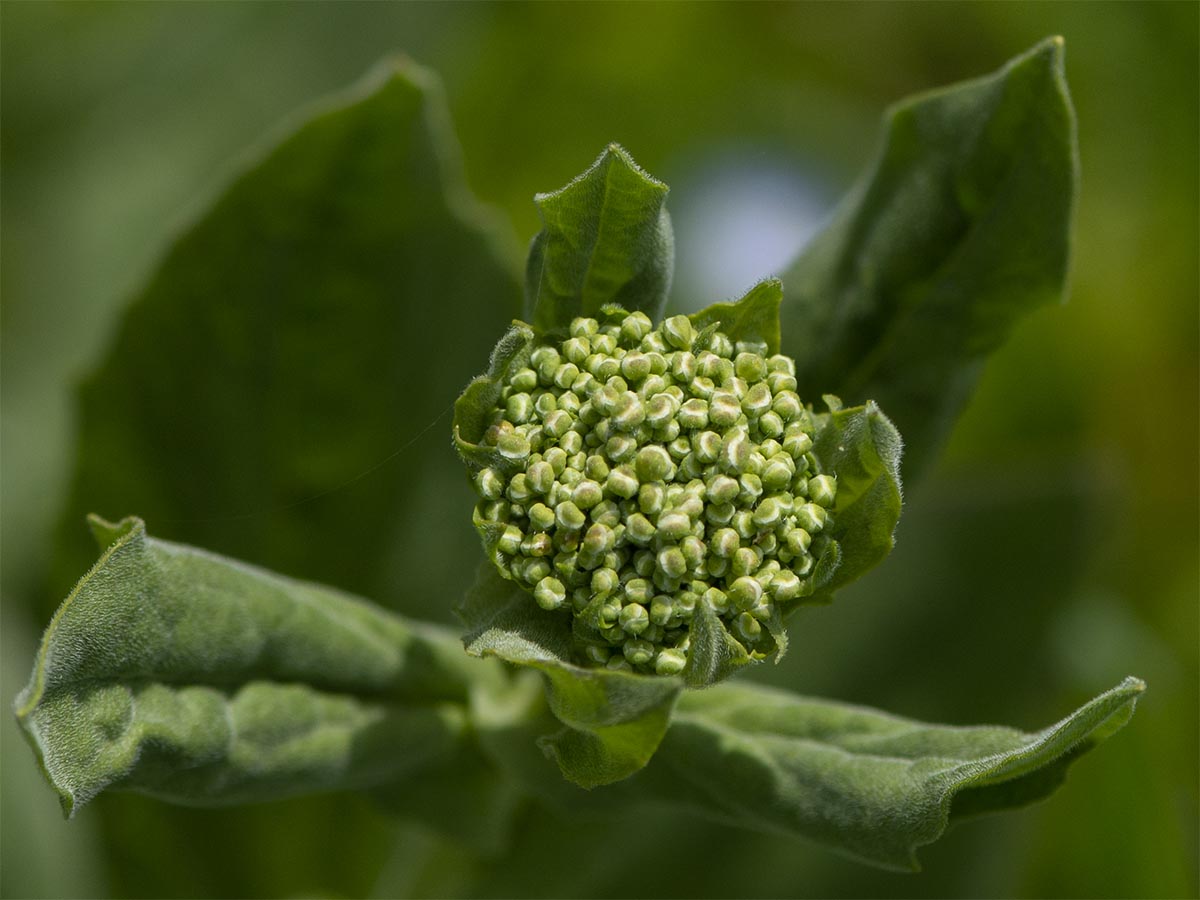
(644, 471)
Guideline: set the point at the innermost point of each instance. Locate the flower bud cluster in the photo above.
(642, 472)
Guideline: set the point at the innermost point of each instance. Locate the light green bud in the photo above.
(638, 652)
(669, 662)
(597, 541)
(735, 451)
(767, 514)
(654, 464)
(606, 513)
(604, 581)
(750, 488)
(583, 327)
(672, 563)
(716, 600)
(822, 489)
(785, 585)
(719, 513)
(488, 484)
(523, 380)
(745, 561)
(652, 498)
(745, 592)
(780, 382)
(622, 482)
(683, 365)
(797, 444)
(723, 409)
(510, 540)
(577, 349)
(513, 446)
(693, 550)
(519, 409)
(724, 542)
(643, 562)
(748, 628)
(620, 448)
(743, 524)
(540, 477)
(630, 412)
(707, 446)
(661, 409)
(635, 366)
(679, 448)
(557, 423)
(550, 593)
(568, 516)
(787, 405)
(519, 490)
(674, 525)
(634, 618)
(634, 327)
(618, 664)
(702, 387)
(798, 541)
(693, 414)
(557, 458)
(639, 529)
(750, 366)
(662, 608)
(757, 401)
(678, 332)
(777, 473)
(811, 517)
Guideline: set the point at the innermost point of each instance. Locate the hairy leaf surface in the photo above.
(606, 238)
(202, 680)
(960, 227)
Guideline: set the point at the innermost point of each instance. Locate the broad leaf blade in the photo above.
(179, 673)
(861, 782)
(606, 238)
(961, 226)
(280, 389)
(612, 721)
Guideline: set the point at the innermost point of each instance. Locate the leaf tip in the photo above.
(107, 533)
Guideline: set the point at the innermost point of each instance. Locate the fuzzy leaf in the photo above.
(863, 449)
(960, 227)
(179, 673)
(606, 238)
(860, 782)
(755, 317)
(612, 721)
(283, 380)
(864, 783)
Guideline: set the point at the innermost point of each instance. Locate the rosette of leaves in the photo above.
(202, 680)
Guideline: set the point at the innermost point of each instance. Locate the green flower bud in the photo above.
(798, 444)
(745, 592)
(678, 332)
(622, 482)
(654, 464)
(662, 408)
(767, 514)
(513, 446)
(750, 366)
(669, 662)
(604, 581)
(639, 529)
(568, 516)
(798, 541)
(672, 563)
(541, 516)
(634, 618)
(674, 525)
(635, 366)
(822, 489)
(735, 452)
(778, 472)
(747, 628)
(638, 652)
(652, 498)
(621, 448)
(702, 387)
(757, 401)
(811, 517)
(519, 489)
(723, 410)
(540, 477)
(550, 593)
(779, 382)
(557, 458)
(489, 485)
(745, 561)
(693, 414)
(618, 664)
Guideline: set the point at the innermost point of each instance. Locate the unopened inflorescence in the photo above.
(647, 471)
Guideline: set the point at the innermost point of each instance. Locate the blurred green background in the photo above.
(1051, 552)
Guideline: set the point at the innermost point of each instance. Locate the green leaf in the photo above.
(960, 227)
(280, 388)
(179, 673)
(863, 449)
(755, 317)
(864, 783)
(606, 238)
(611, 721)
(860, 782)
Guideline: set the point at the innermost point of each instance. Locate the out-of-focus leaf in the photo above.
(606, 238)
(612, 721)
(961, 226)
(195, 678)
(863, 449)
(317, 320)
(857, 781)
